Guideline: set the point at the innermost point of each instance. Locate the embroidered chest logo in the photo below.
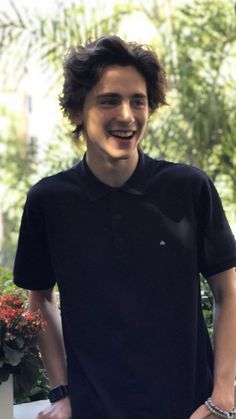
(162, 243)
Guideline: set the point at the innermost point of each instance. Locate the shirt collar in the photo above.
(135, 185)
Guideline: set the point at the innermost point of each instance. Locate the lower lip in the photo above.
(126, 142)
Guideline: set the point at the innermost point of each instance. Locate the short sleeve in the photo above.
(32, 268)
(216, 242)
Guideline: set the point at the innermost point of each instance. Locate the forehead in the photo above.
(120, 79)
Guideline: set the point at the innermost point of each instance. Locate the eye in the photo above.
(139, 102)
(109, 101)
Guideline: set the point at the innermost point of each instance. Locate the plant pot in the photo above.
(6, 399)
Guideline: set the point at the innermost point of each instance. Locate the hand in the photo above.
(203, 413)
(58, 410)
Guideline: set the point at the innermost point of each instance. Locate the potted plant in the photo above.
(19, 357)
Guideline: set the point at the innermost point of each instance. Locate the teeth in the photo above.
(123, 134)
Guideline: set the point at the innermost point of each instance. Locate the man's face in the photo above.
(115, 114)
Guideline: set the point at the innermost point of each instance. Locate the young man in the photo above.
(125, 238)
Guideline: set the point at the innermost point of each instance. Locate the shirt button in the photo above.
(117, 217)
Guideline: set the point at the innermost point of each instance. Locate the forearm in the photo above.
(223, 286)
(224, 352)
(225, 345)
(51, 340)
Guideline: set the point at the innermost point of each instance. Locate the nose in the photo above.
(125, 113)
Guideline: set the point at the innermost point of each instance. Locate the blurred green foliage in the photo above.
(6, 283)
(198, 126)
(207, 305)
(30, 382)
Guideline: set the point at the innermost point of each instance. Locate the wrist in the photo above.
(225, 404)
(223, 396)
(58, 393)
(218, 411)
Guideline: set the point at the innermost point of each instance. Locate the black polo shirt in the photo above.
(127, 263)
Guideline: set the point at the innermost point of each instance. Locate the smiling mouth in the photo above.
(122, 135)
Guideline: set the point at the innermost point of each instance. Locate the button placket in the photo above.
(117, 225)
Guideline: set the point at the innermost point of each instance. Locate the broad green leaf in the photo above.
(13, 356)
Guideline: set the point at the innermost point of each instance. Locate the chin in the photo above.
(122, 154)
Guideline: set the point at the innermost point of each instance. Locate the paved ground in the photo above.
(29, 410)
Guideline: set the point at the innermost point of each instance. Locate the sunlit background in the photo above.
(196, 42)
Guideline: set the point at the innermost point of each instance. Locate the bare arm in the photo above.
(223, 286)
(52, 349)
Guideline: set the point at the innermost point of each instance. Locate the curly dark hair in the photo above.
(84, 65)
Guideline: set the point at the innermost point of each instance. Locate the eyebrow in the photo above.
(117, 95)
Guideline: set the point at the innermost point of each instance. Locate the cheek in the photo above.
(92, 122)
(98, 118)
(144, 122)
(144, 116)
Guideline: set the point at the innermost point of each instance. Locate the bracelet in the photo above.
(219, 412)
(58, 393)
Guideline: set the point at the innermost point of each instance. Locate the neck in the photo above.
(113, 172)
